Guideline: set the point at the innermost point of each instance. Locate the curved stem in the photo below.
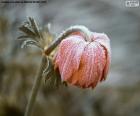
(66, 33)
(35, 88)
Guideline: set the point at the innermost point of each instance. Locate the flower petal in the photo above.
(87, 71)
(68, 59)
(105, 43)
(100, 60)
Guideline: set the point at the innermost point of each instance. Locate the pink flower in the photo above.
(83, 63)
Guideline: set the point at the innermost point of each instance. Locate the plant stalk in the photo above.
(35, 88)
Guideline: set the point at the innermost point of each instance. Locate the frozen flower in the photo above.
(83, 61)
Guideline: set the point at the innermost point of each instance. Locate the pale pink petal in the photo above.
(97, 64)
(62, 53)
(67, 59)
(100, 61)
(73, 60)
(105, 43)
(84, 76)
(63, 50)
(94, 77)
(86, 61)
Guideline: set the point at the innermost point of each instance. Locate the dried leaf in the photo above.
(35, 27)
(23, 37)
(27, 31)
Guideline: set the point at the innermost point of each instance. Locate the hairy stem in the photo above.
(66, 33)
(35, 88)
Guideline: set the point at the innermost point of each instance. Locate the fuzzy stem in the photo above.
(66, 33)
(35, 88)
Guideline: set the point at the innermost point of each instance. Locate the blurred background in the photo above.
(119, 95)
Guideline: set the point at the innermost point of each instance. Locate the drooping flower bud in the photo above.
(83, 61)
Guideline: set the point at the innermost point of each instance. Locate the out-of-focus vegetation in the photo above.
(118, 96)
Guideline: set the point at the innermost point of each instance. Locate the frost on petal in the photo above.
(102, 39)
(87, 72)
(68, 56)
(101, 61)
(72, 62)
(83, 79)
(96, 63)
(105, 43)
(79, 78)
(95, 73)
(64, 47)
